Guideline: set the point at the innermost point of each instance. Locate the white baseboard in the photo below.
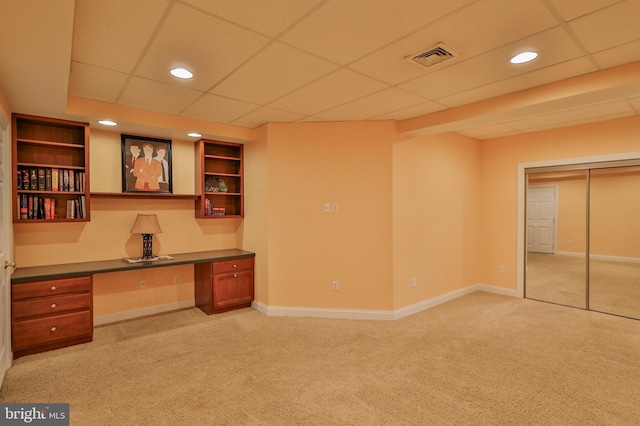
(142, 312)
(359, 314)
(497, 290)
(286, 311)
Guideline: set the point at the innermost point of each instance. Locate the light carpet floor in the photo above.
(482, 359)
(614, 286)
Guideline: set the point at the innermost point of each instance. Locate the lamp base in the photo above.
(147, 252)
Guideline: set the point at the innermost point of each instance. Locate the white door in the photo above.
(5, 248)
(541, 203)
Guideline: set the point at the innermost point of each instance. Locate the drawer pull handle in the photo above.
(235, 266)
(53, 329)
(53, 305)
(235, 275)
(53, 288)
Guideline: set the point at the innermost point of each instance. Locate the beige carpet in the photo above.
(614, 287)
(482, 359)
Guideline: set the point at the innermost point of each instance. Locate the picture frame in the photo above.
(146, 165)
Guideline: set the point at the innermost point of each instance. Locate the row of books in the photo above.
(209, 210)
(50, 179)
(38, 207)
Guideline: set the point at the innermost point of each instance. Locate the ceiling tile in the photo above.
(521, 82)
(217, 108)
(268, 17)
(113, 33)
(618, 55)
(613, 26)
(484, 28)
(156, 96)
(87, 81)
(553, 45)
(272, 73)
(573, 9)
(328, 92)
(210, 47)
(266, 115)
(391, 99)
(366, 24)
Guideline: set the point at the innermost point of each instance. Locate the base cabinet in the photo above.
(223, 286)
(51, 314)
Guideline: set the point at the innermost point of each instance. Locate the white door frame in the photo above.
(6, 357)
(521, 238)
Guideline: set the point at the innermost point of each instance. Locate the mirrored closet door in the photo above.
(614, 259)
(556, 266)
(583, 236)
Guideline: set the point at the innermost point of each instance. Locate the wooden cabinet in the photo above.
(219, 179)
(51, 314)
(51, 169)
(223, 286)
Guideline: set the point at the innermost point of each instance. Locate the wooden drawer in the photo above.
(51, 288)
(50, 329)
(50, 305)
(232, 289)
(232, 266)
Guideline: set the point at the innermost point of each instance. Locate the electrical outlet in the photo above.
(176, 279)
(334, 207)
(500, 269)
(414, 282)
(336, 286)
(570, 242)
(143, 283)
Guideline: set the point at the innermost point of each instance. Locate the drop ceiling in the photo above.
(259, 61)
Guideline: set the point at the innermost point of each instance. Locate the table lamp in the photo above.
(147, 225)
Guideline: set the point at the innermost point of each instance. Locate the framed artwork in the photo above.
(146, 165)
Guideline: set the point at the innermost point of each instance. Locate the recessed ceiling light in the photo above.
(523, 57)
(194, 135)
(181, 73)
(107, 122)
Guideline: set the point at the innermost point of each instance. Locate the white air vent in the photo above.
(433, 56)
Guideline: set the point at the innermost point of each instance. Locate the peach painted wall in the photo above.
(499, 182)
(310, 164)
(254, 231)
(435, 216)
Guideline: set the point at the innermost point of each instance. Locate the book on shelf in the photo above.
(54, 179)
(26, 179)
(47, 179)
(24, 206)
(41, 179)
(33, 180)
(72, 184)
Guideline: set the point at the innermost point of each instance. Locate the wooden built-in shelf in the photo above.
(50, 164)
(144, 195)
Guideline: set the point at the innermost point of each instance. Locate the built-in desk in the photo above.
(52, 306)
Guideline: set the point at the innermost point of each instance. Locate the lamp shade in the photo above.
(146, 224)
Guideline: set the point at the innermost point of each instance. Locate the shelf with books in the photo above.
(219, 174)
(51, 166)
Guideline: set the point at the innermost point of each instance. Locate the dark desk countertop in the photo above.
(50, 272)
